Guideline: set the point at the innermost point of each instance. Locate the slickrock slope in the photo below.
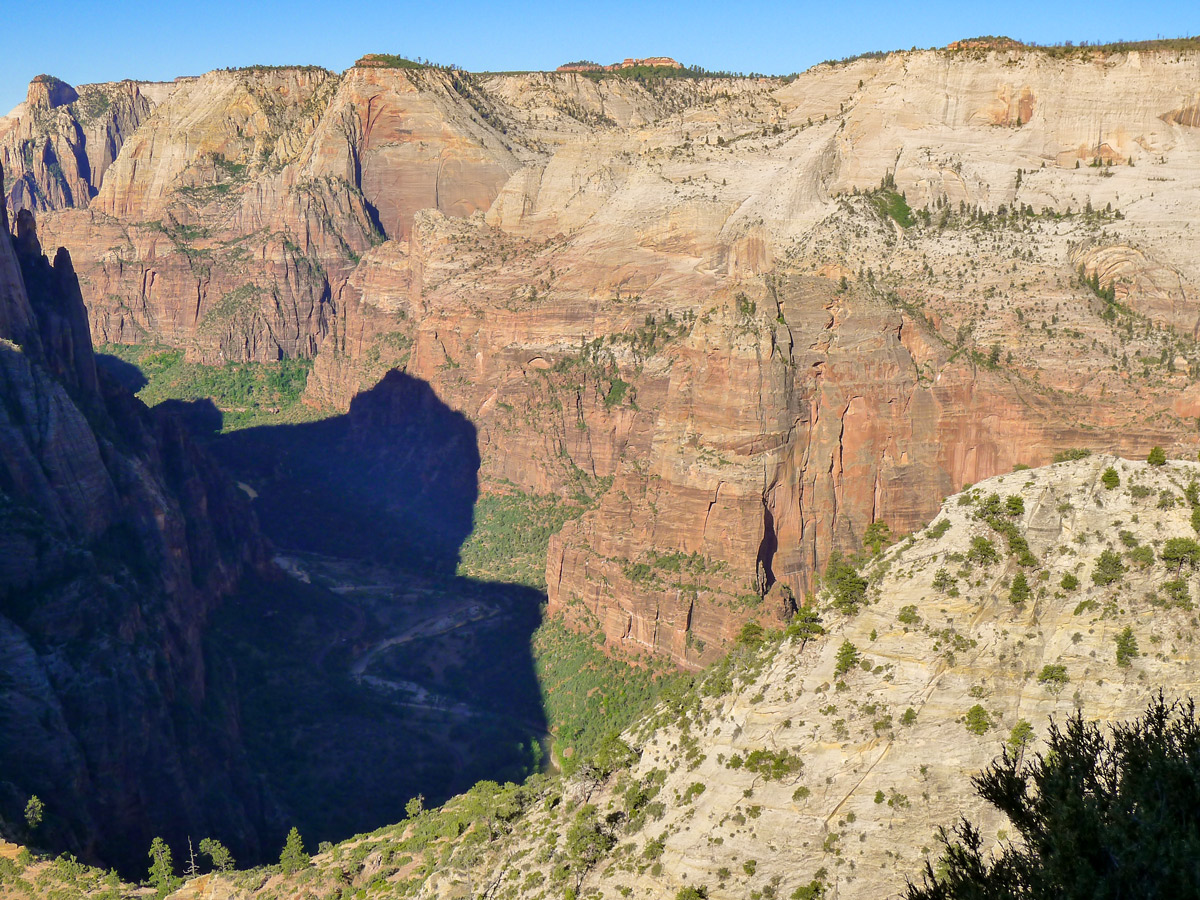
(117, 540)
(687, 303)
(836, 758)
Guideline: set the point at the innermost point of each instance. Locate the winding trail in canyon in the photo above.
(438, 623)
(421, 696)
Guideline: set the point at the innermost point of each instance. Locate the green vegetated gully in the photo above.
(246, 393)
(368, 680)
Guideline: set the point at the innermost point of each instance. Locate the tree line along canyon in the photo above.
(624, 481)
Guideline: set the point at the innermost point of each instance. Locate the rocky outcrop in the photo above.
(237, 245)
(118, 539)
(410, 139)
(61, 146)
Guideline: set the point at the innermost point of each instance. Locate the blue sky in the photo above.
(81, 41)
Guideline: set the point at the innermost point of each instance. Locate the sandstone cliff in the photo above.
(688, 303)
(118, 539)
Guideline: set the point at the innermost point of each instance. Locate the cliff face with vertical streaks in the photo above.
(738, 319)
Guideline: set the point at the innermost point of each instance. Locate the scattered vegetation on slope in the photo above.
(246, 394)
(512, 532)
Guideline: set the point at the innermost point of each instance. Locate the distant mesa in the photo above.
(585, 65)
(987, 42)
(46, 91)
(394, 61)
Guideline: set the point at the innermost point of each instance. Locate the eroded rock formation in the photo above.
(118, 537)
(688, 304)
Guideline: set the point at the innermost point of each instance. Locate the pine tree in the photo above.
(162, 869)
(847, 658)
(1127, 647)
(35, 809)
(1020, 588)
(1097, 815)
(222, 859)
(293, 858)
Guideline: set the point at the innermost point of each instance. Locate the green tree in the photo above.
(877, 536)
(1019, 592)
(587, 840)
(1157, 457)
(814, 890)
(978, 721)
(751, 635)
(293, 858)
(415, 806)
(611, 754)
(849, 589)
(1014, 505)
(990, 507)
(1069, 582)
(35, 810)
(805, 624)
(1109, 569)
(982, 551)
(1127, 647)
(222, 859)
(1019, 737)
(1177, 551)
(1098, 816)
(1054, 676)
(943, 581)
(162, 869)
(1111, 478)
(847, 658)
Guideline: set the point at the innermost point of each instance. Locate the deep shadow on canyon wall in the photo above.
(395, 479)
(119, 537)
(159, 676)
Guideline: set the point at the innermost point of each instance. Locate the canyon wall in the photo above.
(739, 320)
(118, 539)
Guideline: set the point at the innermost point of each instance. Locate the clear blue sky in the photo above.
(83, 41)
